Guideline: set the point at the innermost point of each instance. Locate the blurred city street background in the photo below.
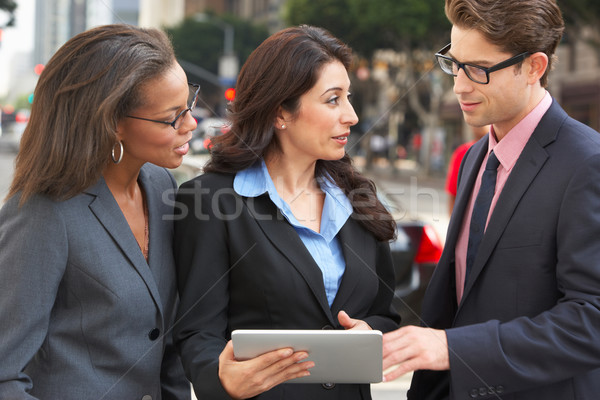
(410, 121)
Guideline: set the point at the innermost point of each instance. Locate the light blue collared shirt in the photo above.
(325, 247)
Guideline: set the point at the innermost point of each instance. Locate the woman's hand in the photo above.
(245, 379)
(349, 323)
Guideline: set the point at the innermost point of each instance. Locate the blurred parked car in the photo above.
(414, 263)
(415, 253)
(207, 128)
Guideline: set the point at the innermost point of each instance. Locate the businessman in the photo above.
(513, 308)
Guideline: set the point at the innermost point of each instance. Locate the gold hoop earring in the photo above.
(112, 153)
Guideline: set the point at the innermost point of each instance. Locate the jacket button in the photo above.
(328, 386)
(153, 335)
(147, 397)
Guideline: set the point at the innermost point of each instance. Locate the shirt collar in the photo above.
(510, 147)
(252, 182)
(255, 181)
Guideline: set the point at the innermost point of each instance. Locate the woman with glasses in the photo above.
(281, 232)
(86, 268)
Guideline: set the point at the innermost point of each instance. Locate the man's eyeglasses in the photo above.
(476, 73)
(176, 123)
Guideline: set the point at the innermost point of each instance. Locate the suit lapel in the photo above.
(107, 211)
(356, 254)
(528, 165)
(442, 284)
(157, 236)
(285, 239)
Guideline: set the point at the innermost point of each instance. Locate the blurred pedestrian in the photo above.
(86, 269)
(281, 232)
(512, 309)
(456, 159)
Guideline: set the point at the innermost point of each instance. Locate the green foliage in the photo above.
(201, 43)
(579, 14)
(367, 25)
(9, 6)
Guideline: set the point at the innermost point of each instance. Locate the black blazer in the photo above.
(527, 327)
(242, 265)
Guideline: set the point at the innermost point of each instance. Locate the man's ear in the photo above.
(538, 63)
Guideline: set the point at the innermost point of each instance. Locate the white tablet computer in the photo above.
(352, 356)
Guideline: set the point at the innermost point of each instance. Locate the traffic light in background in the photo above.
(38, 69)
(230, 94)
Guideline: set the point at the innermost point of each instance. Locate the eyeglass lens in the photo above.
(474, 73)
(192, 100)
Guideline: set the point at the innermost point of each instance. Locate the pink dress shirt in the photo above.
(507, 151)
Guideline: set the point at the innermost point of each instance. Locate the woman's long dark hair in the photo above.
(277, 74)
(92, 82)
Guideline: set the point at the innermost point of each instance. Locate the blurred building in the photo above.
(161, 13)
(267, 12)
(575, 81)
(56, 21)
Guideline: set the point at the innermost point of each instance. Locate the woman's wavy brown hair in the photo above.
(277, 74)
(91, 83)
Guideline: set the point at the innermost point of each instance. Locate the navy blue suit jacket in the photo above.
(528, 325)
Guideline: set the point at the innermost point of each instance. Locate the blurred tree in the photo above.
(201, 43)
(582, 19)
(414, 29)
(9, 6)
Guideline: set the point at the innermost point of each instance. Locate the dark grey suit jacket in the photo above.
(82, 315)
(241, 265)
(528, 325)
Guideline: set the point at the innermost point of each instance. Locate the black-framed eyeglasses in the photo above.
(176, 123)
(476, 73)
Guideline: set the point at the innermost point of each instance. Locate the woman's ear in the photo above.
(538, 63)
(280, 119)
(119, 131)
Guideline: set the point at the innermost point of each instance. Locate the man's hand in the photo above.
(411, 348)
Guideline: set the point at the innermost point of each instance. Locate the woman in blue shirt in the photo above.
(281, 232)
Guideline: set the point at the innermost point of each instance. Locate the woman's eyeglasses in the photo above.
(176, 123)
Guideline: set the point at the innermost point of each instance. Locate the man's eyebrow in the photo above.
(482, 63)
